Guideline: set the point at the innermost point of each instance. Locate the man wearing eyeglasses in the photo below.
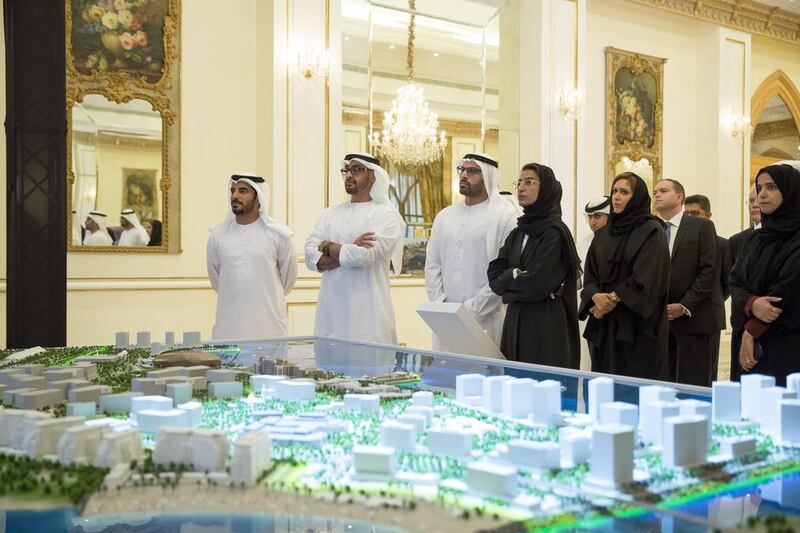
(465, 237)
(353, 245)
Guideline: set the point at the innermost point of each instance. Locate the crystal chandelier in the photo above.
(409, 130)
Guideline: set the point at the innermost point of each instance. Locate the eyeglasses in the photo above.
(527, 183)
(355, 170)
(469, 171)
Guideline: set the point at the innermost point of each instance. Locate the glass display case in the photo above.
(478, 459)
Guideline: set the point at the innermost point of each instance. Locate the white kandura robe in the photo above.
(134, 237)
(252, 268)
(463, 241)
(355, 300)
(98, 238)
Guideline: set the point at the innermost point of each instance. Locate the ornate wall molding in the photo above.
(746, 15)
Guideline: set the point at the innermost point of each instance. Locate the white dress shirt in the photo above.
(675, 223)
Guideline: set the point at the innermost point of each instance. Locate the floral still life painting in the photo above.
(119, 36)
(635, 107)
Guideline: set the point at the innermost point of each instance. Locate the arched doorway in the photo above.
(775, 116)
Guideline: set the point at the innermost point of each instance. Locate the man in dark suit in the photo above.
(735, 244)
(693, 248)
(698, 205)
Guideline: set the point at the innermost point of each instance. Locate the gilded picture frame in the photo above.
(122, 85)
(634, 111)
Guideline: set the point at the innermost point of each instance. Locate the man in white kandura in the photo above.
(597, 213)
(251, 265)
(353, 245)
(97, 230)
(133, 233)
(465, 237)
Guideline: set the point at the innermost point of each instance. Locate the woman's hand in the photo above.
(603, 302)
(763, 309)
(747, 358)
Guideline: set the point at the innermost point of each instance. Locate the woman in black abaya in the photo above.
(626, 278)
(536, 273)
(765, 282)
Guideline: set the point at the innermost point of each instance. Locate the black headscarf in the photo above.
(155, 233)
(785, 221)
(545, 213)
(767, 250)
(636, 213)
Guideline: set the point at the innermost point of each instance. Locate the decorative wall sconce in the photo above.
(312, 64)
(570, 103)
(740, 125)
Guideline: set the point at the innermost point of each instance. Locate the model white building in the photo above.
(546, 402)
(205, 449)
(194, 413)
(422, 398)
(737, 446)
(179, 392)
(373, 460)
(793, 383)
(421, 410)
(789, 422)
(771, 398)
(517, 397)
(651, 421)
(44, 435)
(398, 435)
(118, 403)
(451, 441)
(612, 455)
(11, 423)
(225, 389)
(362, 403)
(492, 478)
(726, 398)
(295, 390)
(119, 447)
(534, 454)
(575, 444)
(251, 457)
(469, 389)
(79, 444)
(653, 393)
(417, 420)
(601, 391)
(752, 388)
(623, 413)
(152, 403)
(151, 420)
(698, 407)
(493, 393)
(685, 440)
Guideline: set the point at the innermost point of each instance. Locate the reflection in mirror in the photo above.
(456, 60)
(775, 137)
(643, 168)
(117, 164)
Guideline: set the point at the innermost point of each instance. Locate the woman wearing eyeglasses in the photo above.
(626, 279)
(536, 273)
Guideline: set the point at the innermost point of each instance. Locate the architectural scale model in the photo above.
(90, 425)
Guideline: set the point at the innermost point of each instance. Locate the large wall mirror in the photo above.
(123, 98)
(118, 167)
(463, 69)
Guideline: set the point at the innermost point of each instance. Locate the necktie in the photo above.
(668, 231)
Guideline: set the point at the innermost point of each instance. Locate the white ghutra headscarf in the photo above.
(380, 195)
(259, 186)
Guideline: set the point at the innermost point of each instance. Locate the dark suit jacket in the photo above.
(721, 290)
(735, 244)
(692, 275)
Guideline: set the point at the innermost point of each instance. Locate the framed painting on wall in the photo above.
(125, 36)
(140, 193)
(634, 114)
